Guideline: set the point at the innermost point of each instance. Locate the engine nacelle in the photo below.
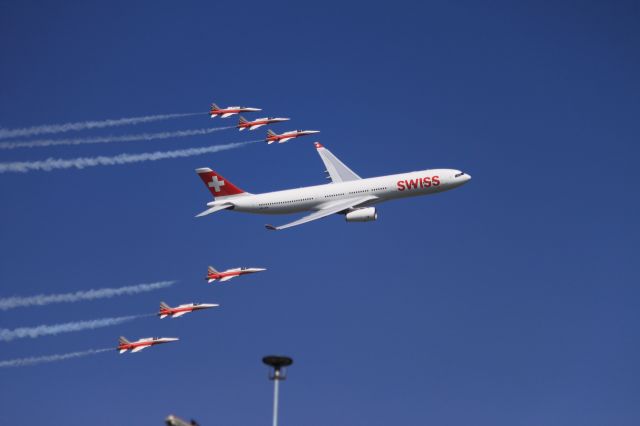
(366, 214)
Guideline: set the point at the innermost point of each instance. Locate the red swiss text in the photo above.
(425, 182)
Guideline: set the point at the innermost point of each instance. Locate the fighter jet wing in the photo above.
(179, 314)
(227, 278)
(328, 210)
(283, 140)
(255, 126)
(139, 348)
(337, 170)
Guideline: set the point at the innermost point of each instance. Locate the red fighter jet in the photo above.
(283, 137)
(213, 275)
(178, 311)
(141, 344)
(258, 122)
(229, 111)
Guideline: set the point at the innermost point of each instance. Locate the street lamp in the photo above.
(278, 372)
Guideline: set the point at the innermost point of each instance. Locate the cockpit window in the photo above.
(459, 174)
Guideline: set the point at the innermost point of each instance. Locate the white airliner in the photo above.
(347, 193)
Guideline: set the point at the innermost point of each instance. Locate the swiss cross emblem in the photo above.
(215, 183)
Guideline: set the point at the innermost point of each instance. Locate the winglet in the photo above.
(271, 227)
(318, 145)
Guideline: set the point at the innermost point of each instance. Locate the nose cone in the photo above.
(209, 305)
(460, 178)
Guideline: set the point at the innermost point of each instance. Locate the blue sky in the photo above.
(512, 300)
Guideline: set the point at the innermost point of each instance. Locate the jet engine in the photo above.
(366, 214)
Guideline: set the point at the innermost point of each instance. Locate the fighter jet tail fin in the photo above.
(164, 306)
(214, 106)
(123, 340)
(212, 270)
(217, 185)
(271, 133)
(242, 123)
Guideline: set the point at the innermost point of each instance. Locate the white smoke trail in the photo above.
(7, 335)
(86, 125)
(110, 139)
(24, 362)
(45, 299)
(83, 162)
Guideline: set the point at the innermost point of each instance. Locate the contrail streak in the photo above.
(86, 125)
(110, 139)
(46, 299)
(7, 335)
(83, 162)
(24, 362)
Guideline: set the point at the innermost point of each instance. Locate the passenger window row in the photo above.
(367, 190)
(285, 202)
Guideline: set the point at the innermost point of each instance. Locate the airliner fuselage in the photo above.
(347, 194)
(385, 188)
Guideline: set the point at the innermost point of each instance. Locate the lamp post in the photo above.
(278, 372)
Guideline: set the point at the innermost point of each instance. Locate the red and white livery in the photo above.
(229, 111)
(258, 122)
(138, 345)
(213, 275)
(180, 310)
(283, 137)
(347, 194)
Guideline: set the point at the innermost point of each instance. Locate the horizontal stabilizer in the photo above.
(214, 209)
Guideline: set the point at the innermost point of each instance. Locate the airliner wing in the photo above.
(328, 210)
(337, 170)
